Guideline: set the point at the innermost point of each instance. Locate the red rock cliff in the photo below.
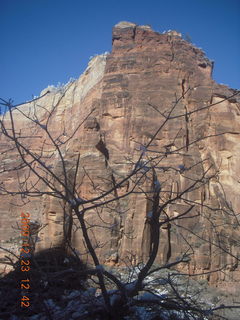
(130, 89)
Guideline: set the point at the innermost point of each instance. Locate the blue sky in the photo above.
(44, 42)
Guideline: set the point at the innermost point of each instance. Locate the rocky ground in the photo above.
(63, 292)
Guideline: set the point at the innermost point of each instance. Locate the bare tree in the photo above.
(149, 175)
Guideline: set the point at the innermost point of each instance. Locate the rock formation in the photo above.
(127, 92)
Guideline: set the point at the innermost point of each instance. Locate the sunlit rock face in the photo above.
(127, 93)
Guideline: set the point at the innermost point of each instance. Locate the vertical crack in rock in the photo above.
(101, 147)
(170, 41)
(118, 221)
(146, 236)
(172, 50)
(186, 114)
(134, 33)
(187, 127)
(183, 88)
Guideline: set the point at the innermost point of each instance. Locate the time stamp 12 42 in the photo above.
(25, 264)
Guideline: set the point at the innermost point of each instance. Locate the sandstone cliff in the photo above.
(126, 93)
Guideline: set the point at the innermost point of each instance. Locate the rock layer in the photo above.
(127, 92)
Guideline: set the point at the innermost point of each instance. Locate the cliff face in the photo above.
(127, 92)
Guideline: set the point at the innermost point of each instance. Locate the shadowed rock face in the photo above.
(145, 69)
(52, 272)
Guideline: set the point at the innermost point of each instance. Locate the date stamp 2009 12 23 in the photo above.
(25, 260)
